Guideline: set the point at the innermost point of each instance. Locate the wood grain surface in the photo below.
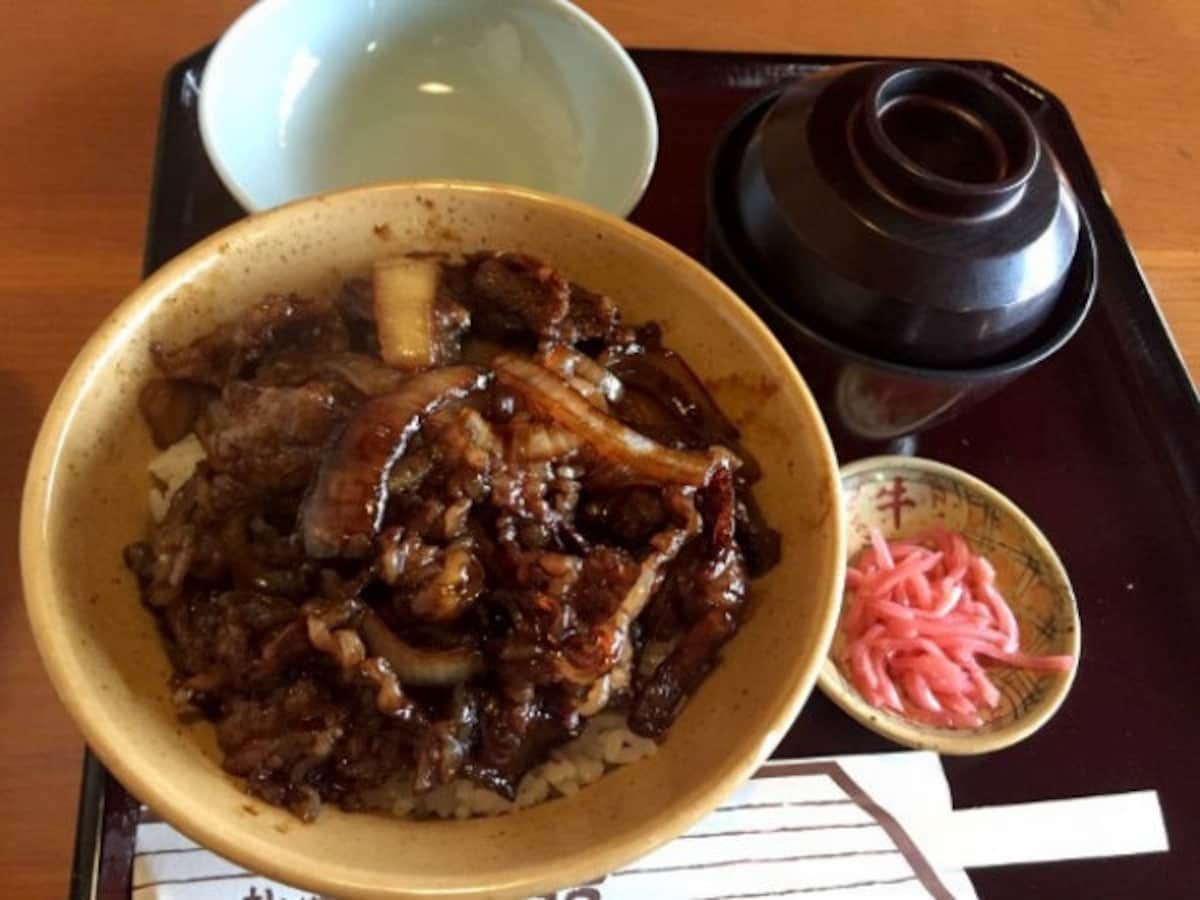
(79, 96)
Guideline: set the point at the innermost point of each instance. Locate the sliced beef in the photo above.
(171, 407)
(514, 293)
(281, 742)
(513, 296)
(355, 371)
(708, 588)
(627, 516)
(279, 321)
(271, 437)
(441, 575)
(515, 736)
(590, 317)
(659, 701)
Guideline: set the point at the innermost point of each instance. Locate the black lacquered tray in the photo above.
(1099, 445)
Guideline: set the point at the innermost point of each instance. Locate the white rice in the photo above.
(169, 470)
(605, 743)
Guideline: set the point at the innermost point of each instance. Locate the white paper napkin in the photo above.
(866, 826)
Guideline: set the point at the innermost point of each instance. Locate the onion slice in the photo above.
(404, 295)
(416, 665)
(598, 385)
(554, 397)
(614, 633)
(343, 510)
(527, 442)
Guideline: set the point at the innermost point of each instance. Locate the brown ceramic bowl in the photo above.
(85, 499)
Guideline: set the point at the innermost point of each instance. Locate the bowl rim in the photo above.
(211, 828)
(722, 229)
(955, 742)
(896, 71)
(217, 63)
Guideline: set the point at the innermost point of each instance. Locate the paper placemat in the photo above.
(879, 825)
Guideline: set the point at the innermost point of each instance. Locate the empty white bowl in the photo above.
(305, 96)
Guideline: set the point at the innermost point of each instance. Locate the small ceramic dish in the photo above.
(305, 96)
(903, 496)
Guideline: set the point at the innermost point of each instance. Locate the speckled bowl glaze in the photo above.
(85, 499)
(903, 496)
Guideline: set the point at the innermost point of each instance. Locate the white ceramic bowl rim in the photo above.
(623, 206)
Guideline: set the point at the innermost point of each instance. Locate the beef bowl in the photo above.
(494, 543)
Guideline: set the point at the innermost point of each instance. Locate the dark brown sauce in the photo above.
(442, 571)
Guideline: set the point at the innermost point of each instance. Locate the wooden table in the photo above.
(79, 97)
